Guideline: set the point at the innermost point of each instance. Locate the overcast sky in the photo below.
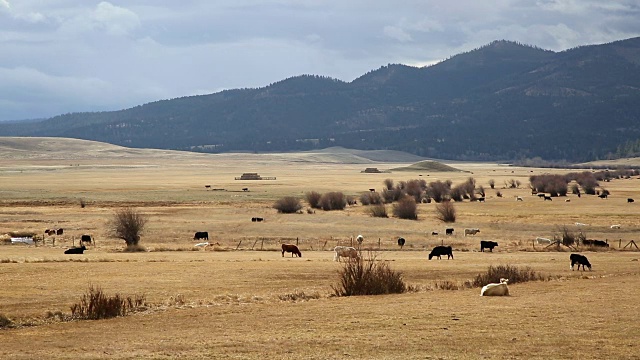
(60, 56)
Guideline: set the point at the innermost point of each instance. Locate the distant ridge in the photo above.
(500, 102)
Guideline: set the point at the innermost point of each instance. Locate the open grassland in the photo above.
(242, 299)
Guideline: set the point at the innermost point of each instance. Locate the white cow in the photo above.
(617, 226)
(202, 244)
(581, 224)
(471, 231)
(500, 289)
(519, 198)
(543, 241)
(345, 251)
(360, 239)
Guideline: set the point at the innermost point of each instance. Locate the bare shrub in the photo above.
(392, 195)
(313, 198)
(438, 190)
(457, 193)
(288, 205)
(5, 322)
(371, 198)
(334, 200)
(379, 210)
(82, 203)
(513, 273)
(128, 224)
(446, 285)
(95, 304)
(416, 189)
(368, 277)
(575, 189)
(492, 183)
(406, 208)
(388, 184)
(480, 191)
(299, 295)
(570, 238)
(498, 194)
(446, 212)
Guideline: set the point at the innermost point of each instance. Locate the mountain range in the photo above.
(502, 101)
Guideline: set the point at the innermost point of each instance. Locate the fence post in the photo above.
(261, 243)
(296, 241)
(378, 243)
(239, 244)
(254, 244)
(619, 243)
(325, 244)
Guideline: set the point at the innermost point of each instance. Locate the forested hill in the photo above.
(501, 101)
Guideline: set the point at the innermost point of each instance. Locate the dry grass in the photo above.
(246, 304)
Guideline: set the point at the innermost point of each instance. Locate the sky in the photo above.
(63, 56)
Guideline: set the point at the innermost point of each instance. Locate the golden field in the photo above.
(234, 300)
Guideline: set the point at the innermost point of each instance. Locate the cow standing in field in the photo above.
(290, 248)
(441, 251)
(471, 231)
(401, 242)
(85, 239)
(201, 235)
(580, 260)
(486, 244)
(448, 231)
(345, 251)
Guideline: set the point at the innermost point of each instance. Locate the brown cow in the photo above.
(291, 249)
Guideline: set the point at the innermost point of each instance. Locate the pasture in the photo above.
(242, 299)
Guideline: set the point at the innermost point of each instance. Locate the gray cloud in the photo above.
(64, 56)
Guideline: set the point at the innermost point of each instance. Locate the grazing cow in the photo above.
(360, 239)
(85, 239)
(201, 235)
(434, 233)
(603, 196)
(581, 224)
(441, 251)
(59, 231)
(290, 248)
(245, 189)
(345, 251)
(600, 243)
(500, 289)
(448, 231)
(372, 190)
(519, 198)
(541, 195)
(486, 244)
(401, 242)
(258, 219)
(207, 186)
(543, 241)
(567, 200)
(547, 198)
(630, 200)
(616, 226)
(51, 232)
(481, 199)
(580, 260)
(471, 231)
(78, 250)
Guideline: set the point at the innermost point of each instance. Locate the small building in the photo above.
(254, 176)
(371, 171)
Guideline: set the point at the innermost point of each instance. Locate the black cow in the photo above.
(448, 231)
(258, 219)
(78, 250)
(201, 235)
(598, 243)
(481, 199)
(603, 196)
(59, 231)
(541, 195)
(547, 198)
(85, 239)
(434, 233)
(441, 251)
(630, 200)
(580, 260)
(485, 244)
(401, 242)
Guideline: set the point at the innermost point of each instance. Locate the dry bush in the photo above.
(570, 238)
(388, 184)
(379, 210)
(392, 195)
(333, 201)
(127, 224)
(416, 189)
(95, 304)
(513, 273)
(5, 322)
(438, 190)
(492, 183)
(288, 205)
(313, 198)
(446, 212)
(480, 191)
(457, 193)
(406, 208)
(371, 198)
(368, 277)
(498, 194)
(82, 202)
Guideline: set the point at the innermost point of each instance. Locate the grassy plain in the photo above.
(226, 303)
